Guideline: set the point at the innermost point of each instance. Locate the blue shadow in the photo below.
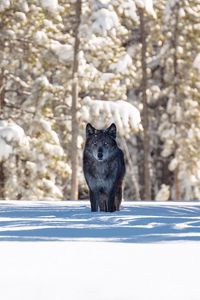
(135, 223)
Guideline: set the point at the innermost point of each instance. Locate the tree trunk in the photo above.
(2, 102)
(74, 121)
(175, 88)
(135, 186)
(145, 112)
(2, 181)
(2, 94)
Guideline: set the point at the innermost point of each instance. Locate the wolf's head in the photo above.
(101, 143)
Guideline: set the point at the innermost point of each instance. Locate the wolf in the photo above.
(104, 168)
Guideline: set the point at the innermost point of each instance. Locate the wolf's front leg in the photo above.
(111, 201)
(94, 200)
(102, 202)
(119, 195)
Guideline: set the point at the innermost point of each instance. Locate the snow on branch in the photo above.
(50, 5)
(5, 150)
(104, 20)
(11, 132)
(64, 52)
(50, 187)
(196, 62)
(11, 136)
(4, 4)
(122, 65)
(147, 5)
(99, 112)
(40, 125)
(105, 17)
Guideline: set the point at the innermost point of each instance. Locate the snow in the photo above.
(60, 250)
(44, 125)
(181, 12)
(55, 150)
(73, 221)
(64, 52)
(147, 5)
(104, 20)
(164, 193)
(41, 38)
(196, 63)
(24, 6)
(5, 150)
(51, 186)
(10, 133)
(104, 2)
(173, 164)
(170, 4)
(50, 5)
(129, 9)
(125, 115)
(66, 271)
(21, 16)
(4, 5)
(124, 62)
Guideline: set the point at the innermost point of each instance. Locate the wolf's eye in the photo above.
(105, 144)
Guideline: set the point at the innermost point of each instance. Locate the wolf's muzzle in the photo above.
(100, 154)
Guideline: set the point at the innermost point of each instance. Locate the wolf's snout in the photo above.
(100, 153)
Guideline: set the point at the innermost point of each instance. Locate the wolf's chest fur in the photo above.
(102, 169)
(100, 174)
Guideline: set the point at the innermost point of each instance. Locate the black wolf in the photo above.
(104, 168)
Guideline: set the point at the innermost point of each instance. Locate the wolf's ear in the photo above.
(112, 130)
(89, 130)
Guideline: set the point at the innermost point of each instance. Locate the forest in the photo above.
(64, 63)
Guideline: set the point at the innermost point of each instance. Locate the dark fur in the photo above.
(104, 168)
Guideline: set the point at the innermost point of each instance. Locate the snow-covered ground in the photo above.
(60, 251)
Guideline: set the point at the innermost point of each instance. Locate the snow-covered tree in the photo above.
(34, 49)
(180, 123)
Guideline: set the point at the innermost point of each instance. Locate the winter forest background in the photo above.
(66, 63)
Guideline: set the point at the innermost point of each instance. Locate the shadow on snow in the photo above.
(135, 223)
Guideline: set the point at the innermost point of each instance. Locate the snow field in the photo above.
(59, 250)
(99, 271)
